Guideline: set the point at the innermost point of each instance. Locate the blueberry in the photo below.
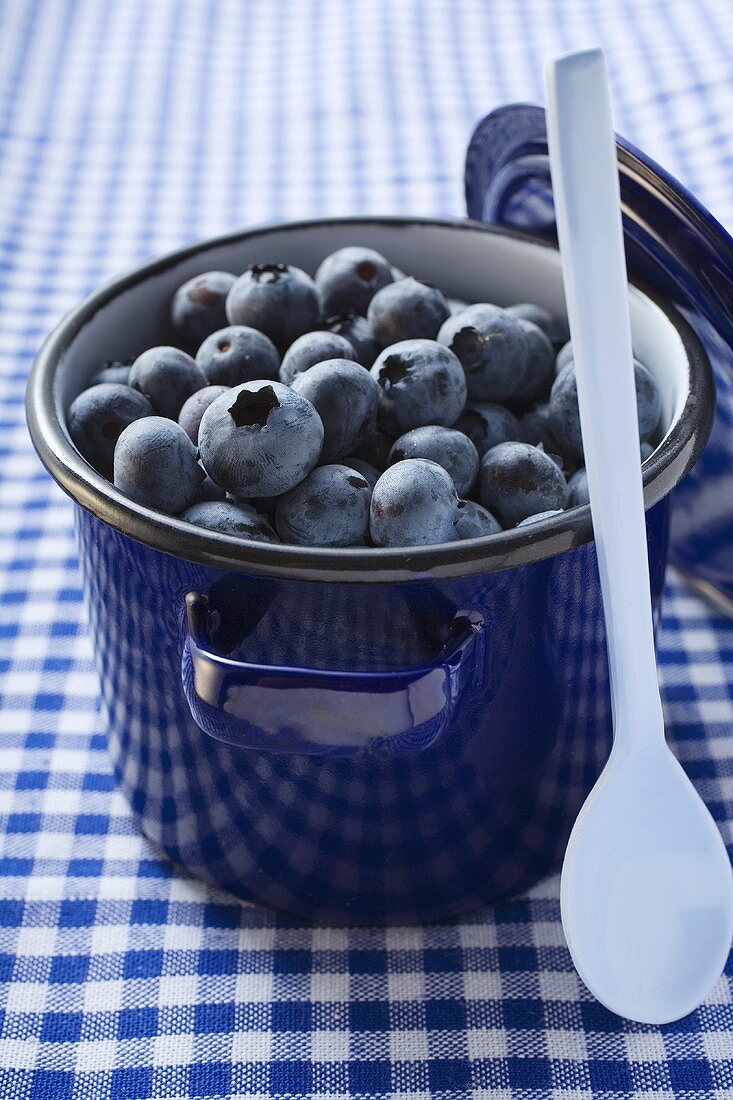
(199, 306)
(493, 349)
(565, 414)
(578, 488)
(517, 480)
(563, 357)
(260, 439)
(578, 484)
(538, 516)
(358, 332)
(329, 508)
(237, 354)
(312, 348)
(414, 503)
(540, 363)
(421, 383)
(194, 408)
(475, 521)
(451, 449)
(167, 377)
(348, 279)
(112, 372)
(554, 328)
(346, 398)
(407, 310)
(156, 465)
(229, 518)
(264, 505)
(98, 416)
(278, 299)
(375, 448)
(209, 490)
(367, 471)
(535, 428)
(486, 425)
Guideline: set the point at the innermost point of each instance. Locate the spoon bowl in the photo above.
(647, 895)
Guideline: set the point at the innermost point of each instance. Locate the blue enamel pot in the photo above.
(354, 735)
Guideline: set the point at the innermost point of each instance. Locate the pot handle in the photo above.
(306, 710)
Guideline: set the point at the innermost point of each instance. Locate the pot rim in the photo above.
(489, 553)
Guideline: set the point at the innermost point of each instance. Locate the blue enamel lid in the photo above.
(674, 245)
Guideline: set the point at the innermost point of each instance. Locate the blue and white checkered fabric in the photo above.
(126, 128)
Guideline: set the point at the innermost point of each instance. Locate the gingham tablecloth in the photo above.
(126, 128)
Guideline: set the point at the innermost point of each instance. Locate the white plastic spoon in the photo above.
(647, 892)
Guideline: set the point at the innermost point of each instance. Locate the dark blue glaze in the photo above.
(674, 245)
(472, 803)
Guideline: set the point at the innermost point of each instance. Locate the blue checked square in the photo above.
(61, 1027)
(23, 823)
(445, 1015)
(446, 960)
(11, 913)
(69, 969)
(31, 781)
(215, 1017)
(291, 1016)
(610, 1075)
(217, 915)
(290, 1078)
(48, 701)
(92, 824)
(449, 1074)
(137, 1023)
(292, 961)
(51, 1084)
(597, 1018)
(77, 914)
(149, 911)
(143, 964)
(516, 958)
(217, 962)
(523, 1014)
(370, 1078)
(369, 1016)
(210, 1079)
(529, 1073)
(689, 1075)
(132, 1083)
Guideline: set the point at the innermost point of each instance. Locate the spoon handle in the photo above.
(588, 212)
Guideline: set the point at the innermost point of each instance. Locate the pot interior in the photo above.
(466, 261)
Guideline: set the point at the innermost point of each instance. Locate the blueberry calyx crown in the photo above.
(267, 273)
(467, 344)
(393, 370)
(251, 409)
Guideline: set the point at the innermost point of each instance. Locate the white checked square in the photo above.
(26, 997)
(330, 1046)
(486, 1042)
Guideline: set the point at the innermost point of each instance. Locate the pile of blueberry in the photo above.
(360, 407)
